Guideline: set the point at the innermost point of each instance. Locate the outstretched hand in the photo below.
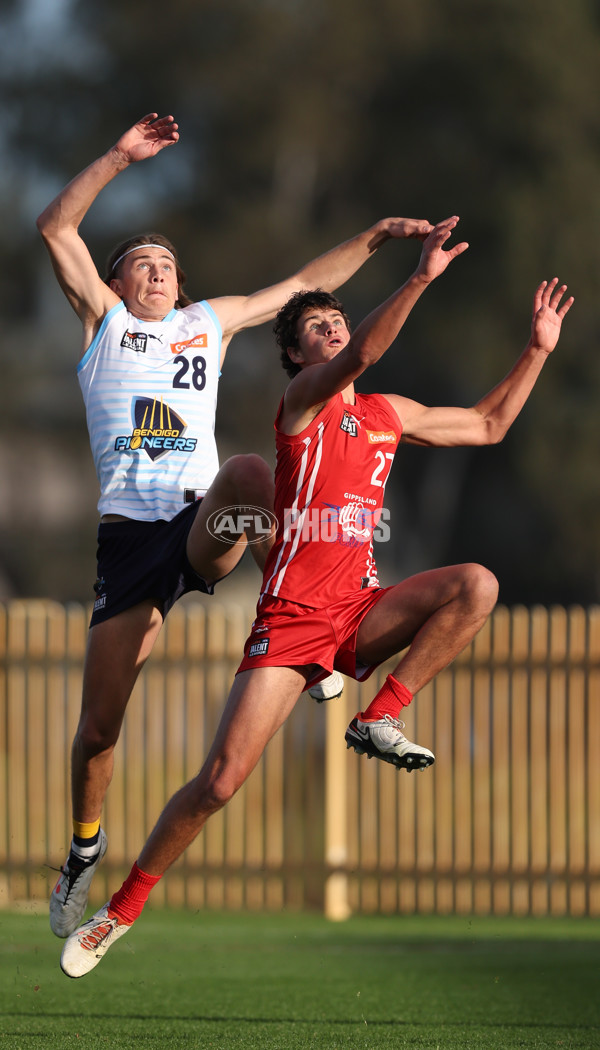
(434, 259)
(548, 314)
(146, 138)
(416, 228)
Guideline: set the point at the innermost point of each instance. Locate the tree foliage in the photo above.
(303, 121)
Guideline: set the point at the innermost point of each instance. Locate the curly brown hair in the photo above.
(286, 322)
(140, 239)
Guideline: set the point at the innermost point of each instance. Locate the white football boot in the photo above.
(384, 739)
(329, 689)
(89, 944)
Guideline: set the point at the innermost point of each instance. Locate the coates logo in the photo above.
(231, 523)
(197, 340)
(380, 437)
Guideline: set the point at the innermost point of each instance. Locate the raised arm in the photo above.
(328, 272)
(487, 422)
(59, 222)
(314, 385)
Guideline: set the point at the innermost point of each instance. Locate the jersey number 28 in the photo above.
(198, 377)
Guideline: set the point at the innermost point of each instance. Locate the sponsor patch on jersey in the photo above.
(348, 425)
(381, 437)
(185, 344)
(157, 429)
(259, 648)
(135, 341)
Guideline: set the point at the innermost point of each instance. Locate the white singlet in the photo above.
(150, 392)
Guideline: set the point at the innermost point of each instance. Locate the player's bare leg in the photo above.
(259, 703)
(117, 650)
(435, 614)
(243, 483)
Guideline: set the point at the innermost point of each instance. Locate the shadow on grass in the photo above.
(339, 1022)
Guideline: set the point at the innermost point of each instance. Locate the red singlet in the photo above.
(329, 487)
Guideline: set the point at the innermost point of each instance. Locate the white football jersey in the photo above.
(150, 392)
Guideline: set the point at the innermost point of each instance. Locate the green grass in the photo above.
(228, 982)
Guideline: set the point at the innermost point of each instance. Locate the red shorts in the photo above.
(285, 634)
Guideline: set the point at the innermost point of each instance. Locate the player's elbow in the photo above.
(42, 223)
(46, 228)
(365, 353)
(50, 224)
(488, 429)
(495, 432)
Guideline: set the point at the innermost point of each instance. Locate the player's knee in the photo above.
(218, 789)
(252, 479)
(218, 783)
(481, 586)
(92, 740)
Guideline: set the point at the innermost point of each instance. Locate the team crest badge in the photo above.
(157, 420)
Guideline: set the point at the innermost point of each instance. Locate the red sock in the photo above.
(390, 700)
(127, 903)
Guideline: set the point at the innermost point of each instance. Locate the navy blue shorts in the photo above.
(141, 560)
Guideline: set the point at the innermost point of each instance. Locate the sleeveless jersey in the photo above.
(329, 487)
(150, 392)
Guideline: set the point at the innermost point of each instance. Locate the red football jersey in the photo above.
(329, 487)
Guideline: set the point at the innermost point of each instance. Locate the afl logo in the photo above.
(231, 523)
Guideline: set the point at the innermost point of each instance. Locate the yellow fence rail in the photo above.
(506, 822)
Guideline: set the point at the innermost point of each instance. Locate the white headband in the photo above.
(136, 247)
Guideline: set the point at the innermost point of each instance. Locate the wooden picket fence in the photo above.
(507, 821)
